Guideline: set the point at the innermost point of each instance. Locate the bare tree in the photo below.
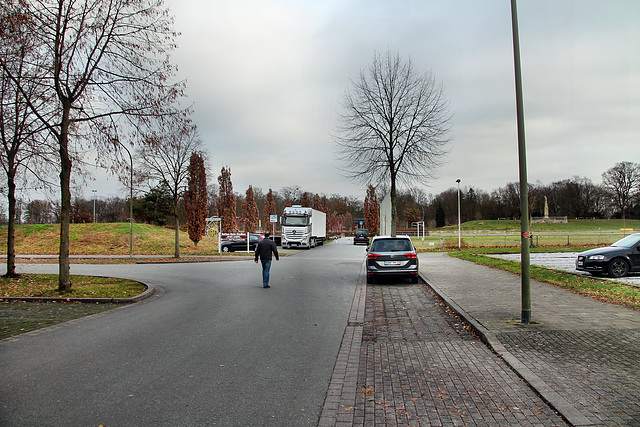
(177, 139)
(395, 128)
(109, 59)
(623, 183)
(24, 154)
(195, 198)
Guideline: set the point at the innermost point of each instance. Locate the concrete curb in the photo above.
(572, 415)
(144, 295)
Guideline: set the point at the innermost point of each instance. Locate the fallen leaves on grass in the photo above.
(46, 285)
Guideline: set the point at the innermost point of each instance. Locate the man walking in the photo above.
(264, 249)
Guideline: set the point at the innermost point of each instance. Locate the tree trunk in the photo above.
(64, 280)
(11, 227)
(394, 210)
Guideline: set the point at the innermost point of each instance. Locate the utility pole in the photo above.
(459, 227)
(525, 263)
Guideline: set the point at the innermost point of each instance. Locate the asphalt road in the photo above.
(213, 348)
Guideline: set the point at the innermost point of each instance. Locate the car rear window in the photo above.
(362, 232)
(392, 245)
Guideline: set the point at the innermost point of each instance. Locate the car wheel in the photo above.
(618, 268)
(371, 280)
(225, 249)
(414, 279)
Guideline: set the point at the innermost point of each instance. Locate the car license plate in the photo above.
(392, 263)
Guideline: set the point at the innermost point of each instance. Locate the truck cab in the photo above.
(303, 227)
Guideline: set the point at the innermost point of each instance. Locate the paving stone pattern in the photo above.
(420, 366)
(597, 371)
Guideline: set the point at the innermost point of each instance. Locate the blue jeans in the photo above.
(266, 268)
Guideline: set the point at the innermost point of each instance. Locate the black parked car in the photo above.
(392, 256)
(361, 236)
(616, 260)
(241, 245)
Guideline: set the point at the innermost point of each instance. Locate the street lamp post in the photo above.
(94, 204)
(525, 262)
(459, 226)
(130, 203)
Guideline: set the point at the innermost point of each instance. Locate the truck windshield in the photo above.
(295, 220)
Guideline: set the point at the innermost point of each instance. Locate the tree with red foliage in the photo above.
(304, 200)
(227, 202)
(287, 204)
(371, 211)
(195, 198)
(269, 209)
(250, 212)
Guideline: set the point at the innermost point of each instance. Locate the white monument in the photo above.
(385, 216)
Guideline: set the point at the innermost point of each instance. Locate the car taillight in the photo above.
(373, 256)
(411, 255)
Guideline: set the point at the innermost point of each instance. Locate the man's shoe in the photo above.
(266, 286)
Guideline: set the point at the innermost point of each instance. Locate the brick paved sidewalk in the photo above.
(408, 361)
(580, 354)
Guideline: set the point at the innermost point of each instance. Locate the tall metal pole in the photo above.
(459, 227)
(130, 202)
(95, 192)
(525, 265)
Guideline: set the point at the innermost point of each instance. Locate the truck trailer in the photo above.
(303, 227)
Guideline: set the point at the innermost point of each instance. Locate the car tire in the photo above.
(618, 267)
(225, 249)
(414, 279)
(371, 280)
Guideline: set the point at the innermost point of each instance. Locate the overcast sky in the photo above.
(266, 79)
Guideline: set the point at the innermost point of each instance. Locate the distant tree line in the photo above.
(576, 197)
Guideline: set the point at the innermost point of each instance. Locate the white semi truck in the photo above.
(303, 227)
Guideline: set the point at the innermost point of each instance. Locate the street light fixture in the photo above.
(459, 227)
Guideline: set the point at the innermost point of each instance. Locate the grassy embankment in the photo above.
(91, 239)
(104, 239)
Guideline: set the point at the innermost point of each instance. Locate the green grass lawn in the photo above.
(603, 290)
(104, 239)
(575, 225)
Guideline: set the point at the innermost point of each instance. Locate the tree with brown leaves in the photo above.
(286, 204)
(269, 209)
(226, 202)
(250, 212)
(195, 198)
(304, 200)
(371, 211)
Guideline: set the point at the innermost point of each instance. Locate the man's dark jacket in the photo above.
(265, 248)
